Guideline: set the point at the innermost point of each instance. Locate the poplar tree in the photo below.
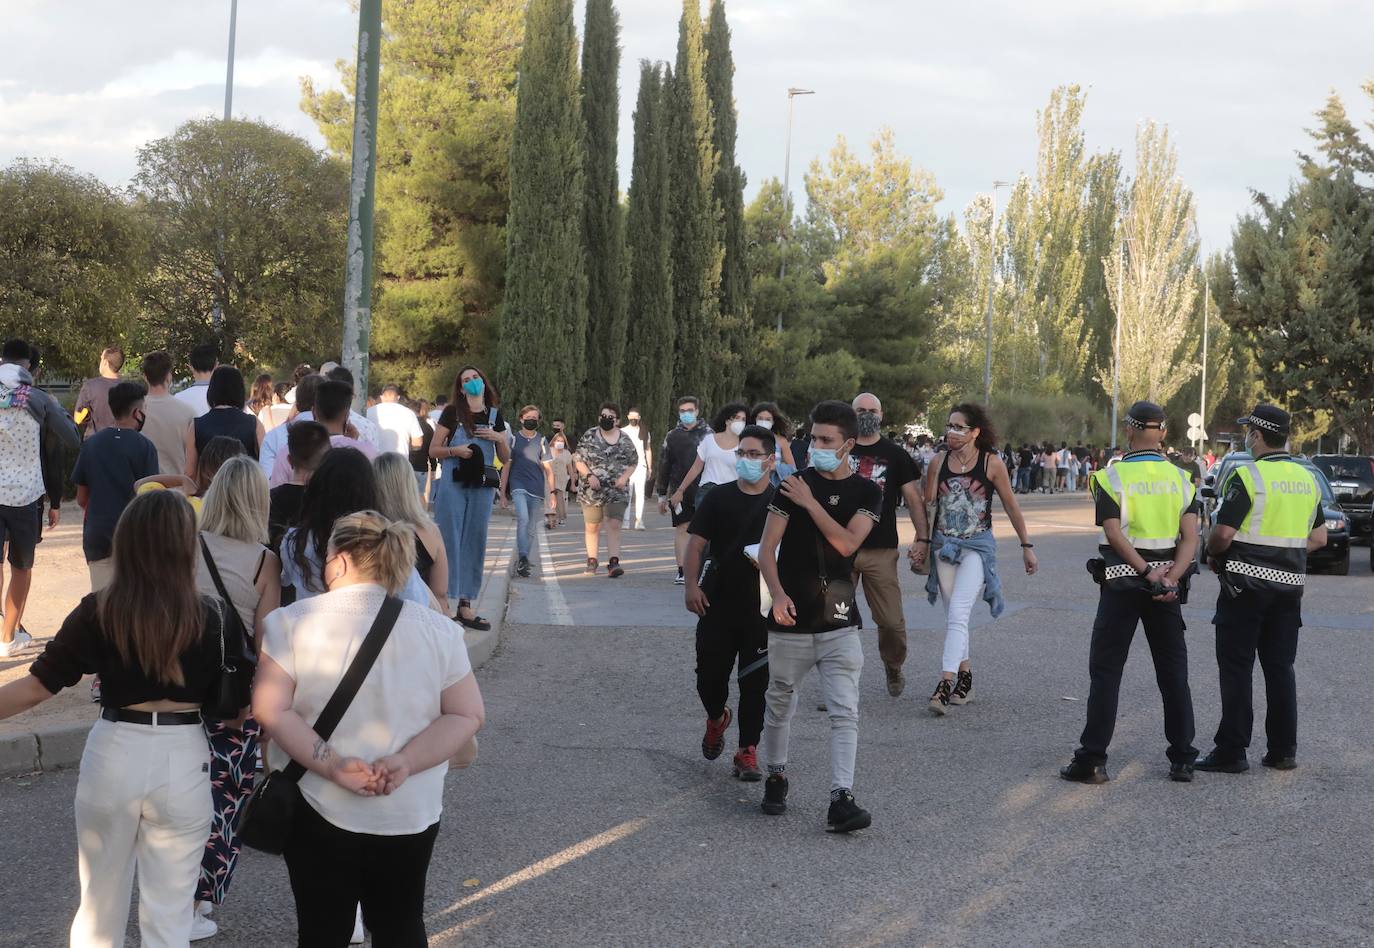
(729, 194)
(544, 323)
(652, 338)
(601, 213)
(695, 216)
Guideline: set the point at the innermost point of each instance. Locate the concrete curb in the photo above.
(56, 747)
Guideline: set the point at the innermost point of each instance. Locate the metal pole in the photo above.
(992, 258)
(357, 321)
(229, 76)
(1116, 344)
(786, 200)
(1206, 305)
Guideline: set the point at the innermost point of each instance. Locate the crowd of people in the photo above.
(252, 551)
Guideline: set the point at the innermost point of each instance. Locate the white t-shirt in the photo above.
(195, 396)
(720, 462)
(636, 435)
(396, 425)
(367, 431)
(314, 640)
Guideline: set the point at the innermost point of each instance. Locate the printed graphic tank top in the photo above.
(963, 502)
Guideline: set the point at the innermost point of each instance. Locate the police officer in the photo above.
(1270, 518)
(1148, 512)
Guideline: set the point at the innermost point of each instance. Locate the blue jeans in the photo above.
(463, 514)
(528, 507)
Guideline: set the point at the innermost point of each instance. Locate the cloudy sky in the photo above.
(89, 81)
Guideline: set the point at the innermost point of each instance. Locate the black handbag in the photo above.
(837, 594)
(233, 690)
(271, 810)
(473, 470)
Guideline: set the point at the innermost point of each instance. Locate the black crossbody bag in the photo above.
(233, 689)
(272, 808)
(837, 594)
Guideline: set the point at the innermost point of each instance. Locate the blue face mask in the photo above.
(749, 469)
(824, 460)
(687, 417)
(474, 386)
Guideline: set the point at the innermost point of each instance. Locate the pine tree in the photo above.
(695, 216)
(544, 323)
(651, 330)
(602, 213)
(729, 194)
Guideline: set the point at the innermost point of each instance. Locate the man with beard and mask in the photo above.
(606, 459)
(886, 464)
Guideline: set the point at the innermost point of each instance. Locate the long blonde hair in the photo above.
(238, 502)
(397, 496)
(151, 611)
(380, 549)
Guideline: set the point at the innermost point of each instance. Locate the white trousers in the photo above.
(838, 658)
(960, 584)
(636, 504)
(142, 799)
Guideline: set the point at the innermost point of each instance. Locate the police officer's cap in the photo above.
(1267, 417)
(1144, 415)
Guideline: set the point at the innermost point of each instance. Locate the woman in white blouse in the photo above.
(374, 790)
(716, 454)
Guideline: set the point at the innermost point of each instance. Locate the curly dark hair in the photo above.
(782, 425)
(977, 417)
(728, 411)
(343, 484)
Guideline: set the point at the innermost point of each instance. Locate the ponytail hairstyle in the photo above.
(381, 549)
(977, 417)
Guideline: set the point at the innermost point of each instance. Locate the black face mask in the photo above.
(530, 424)
(607, 422)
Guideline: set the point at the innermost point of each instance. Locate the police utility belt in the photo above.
(1122, 577)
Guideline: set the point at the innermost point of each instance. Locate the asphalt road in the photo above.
(591, 819)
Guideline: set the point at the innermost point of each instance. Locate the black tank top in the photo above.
(230, 422)
(963, 502)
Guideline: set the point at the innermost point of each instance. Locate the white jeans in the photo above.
(636, 504)
(839, 658)
(960, 584)
(143, 798)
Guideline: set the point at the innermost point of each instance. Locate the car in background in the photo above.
(1352, 481)
(1333, 558)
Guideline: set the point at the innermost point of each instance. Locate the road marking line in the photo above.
(557, 604)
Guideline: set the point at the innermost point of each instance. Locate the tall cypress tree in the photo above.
(696, 249)
(544, 324)
(729, 194)
(652, 330)
(602, 215)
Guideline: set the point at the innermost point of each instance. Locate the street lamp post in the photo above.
(1206, 305)
(229, 75)
(992, 257)
(792, 93)
(1116, 341)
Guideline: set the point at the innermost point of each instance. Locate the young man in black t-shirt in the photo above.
(818, 520)
(732, 628)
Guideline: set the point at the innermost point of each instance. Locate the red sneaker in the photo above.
(747, 764)
(714, 741)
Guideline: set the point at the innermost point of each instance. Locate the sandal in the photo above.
(476, 623)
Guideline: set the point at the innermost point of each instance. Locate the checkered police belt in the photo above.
(1266, 573)
(1261, 423)
(1126, 569)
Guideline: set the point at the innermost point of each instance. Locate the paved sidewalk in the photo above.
(54, 734)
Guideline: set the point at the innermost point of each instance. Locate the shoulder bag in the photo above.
(233, 690)
(474, 471)
(271, 810)
(837, 594)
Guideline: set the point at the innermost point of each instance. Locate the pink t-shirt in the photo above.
(281, 469)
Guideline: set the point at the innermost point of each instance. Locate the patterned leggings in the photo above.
(233, 764)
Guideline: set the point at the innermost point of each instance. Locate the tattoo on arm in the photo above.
(322, 749)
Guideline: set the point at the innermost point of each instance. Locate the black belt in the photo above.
(129, 716)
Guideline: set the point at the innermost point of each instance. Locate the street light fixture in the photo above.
(792, 94)
(992, 258)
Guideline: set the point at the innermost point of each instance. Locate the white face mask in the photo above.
(766, 423)
(736, 427)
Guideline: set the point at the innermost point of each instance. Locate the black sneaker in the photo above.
(775, 795)
(1181, 773)
(845, 815)
(1279, 761)
(680, 580)
(522, 568)
(592, 565)
(1082, 771)
(963, 689)
(614, 569)
(1217, 763)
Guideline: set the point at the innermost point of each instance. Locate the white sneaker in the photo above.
(639, 525)
(202, 928)
(205, 908)
(22, 640)
(357, 938)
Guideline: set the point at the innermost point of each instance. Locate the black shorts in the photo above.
(688, 510)
(22, 528)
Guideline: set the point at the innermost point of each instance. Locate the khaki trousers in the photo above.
(877, 570)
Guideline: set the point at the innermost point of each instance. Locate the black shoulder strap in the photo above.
(353, 678)
(214, 572)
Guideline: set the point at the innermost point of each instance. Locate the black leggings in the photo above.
(332, 870)
(724, 640)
